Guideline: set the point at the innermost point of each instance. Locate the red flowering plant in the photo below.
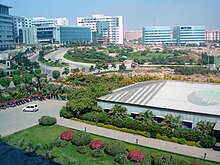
(136, 155)
(194, 163)
(96, 144)
(67, 135)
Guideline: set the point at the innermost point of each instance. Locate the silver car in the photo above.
(30, 108)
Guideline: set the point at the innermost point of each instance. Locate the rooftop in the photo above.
(176, 95)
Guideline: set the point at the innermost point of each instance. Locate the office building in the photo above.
(42, 21)
(132, 36)
(75, 34)
(189, 35)
(48, 33)
(107, 29)
(28, 35)
(157, 35)
(19, 23)
(6, 29)
(213, 36)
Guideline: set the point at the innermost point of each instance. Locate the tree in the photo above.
(205, 127)
(91, 68)
(171, 122)
(118, 112)
(56, 74)
(122, 67)
(146, 117)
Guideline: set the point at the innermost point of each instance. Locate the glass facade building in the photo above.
(6, 29)
(75, 34)
(189, 34)
(156, 35)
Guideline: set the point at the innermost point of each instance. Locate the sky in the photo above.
(137, 13)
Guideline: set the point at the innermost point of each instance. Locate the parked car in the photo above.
(31, 108)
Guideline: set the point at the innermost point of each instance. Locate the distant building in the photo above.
(106, 29)
(28, 35)
(48, 34)
(6, 29)
(75, 34)
(132, 36)
(189, 34)
(213, 36)
(157, 35)
(42, 21)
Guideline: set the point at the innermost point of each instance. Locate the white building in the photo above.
(107, 28)
(42, 21)
(28, 35)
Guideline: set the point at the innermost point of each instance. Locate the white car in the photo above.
(31, 108)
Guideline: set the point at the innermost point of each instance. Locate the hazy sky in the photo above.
(137, 13)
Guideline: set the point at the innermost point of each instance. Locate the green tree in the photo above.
(171, 122)
(146, 117)
(56, 74)
(205, 127)
(118, 112)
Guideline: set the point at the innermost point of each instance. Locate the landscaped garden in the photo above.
(79, 147)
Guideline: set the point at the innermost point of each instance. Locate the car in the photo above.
(30, 108)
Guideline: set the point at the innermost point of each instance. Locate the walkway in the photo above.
(148, 142)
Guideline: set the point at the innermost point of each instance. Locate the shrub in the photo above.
(136, 155)
(82, 149)
(184, 162)
(81, 138)
(208, 142)
(121, 158)
(182, 141)
(198, 144)
(153, 135)
(154, 155)
(173, 139)
(131, 148)
(98, 153)
(164, 137)
(67, 135)
(47, 120)
(191, 143)
(165, 159)
(59, 143)
(115, 147)
(158, 136)
(66, 113)
(96, 144)
(194, 163)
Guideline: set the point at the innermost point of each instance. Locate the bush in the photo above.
(115, 147)
(66, 113)
(136, 156)
(131, 148)
(165, 159)
(154, 155)
(81, 138)
(153, 135)
(208, 142)
(164, 137)
(82, 149)
(182, 141)
(194, 163)
(59, 143)
(67, 135)
(198, 144)
(173, 139)
(191, 143)
(96, 144)
(158, 136)
(47, 120)
(121, 158)
(98, 153)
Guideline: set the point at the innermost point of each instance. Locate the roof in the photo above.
(217, 126)
(5, 6)
(175, 95)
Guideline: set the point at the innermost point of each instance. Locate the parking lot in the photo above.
(14, 119)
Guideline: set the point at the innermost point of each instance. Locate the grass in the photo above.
(137, 55)
(75, 59)
(45, 135)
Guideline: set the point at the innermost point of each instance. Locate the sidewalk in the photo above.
(148, 142)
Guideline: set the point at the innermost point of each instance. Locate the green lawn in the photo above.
(75, 59)
(137, 55)
(45, 135)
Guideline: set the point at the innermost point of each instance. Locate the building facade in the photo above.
(48, 34)
(189, 35)
(156, 35)
(75, 34)
(28, 35)
(6, 29)
(109, 29)
(212, 36)
(132, 36)
(42, 21)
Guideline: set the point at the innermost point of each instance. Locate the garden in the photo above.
(68, 146)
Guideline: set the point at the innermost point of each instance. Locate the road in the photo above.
(14, 119)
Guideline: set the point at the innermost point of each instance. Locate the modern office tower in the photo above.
(189, 34)
(213, 36)
(19, 23)
(156, 35)
(108, 29)
(28, 35)
(75, 34)
(48, 34)
(133, 35)
(42, 21)
(6, 29)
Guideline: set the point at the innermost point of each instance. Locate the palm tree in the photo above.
(146, 117)
(46, 151)
(171, 122)
(205, 127)
(118, 112)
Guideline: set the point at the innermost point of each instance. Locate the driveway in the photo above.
(14, 119)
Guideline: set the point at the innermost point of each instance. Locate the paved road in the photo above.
(14, 119)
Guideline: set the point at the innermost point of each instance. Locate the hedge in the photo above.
(81, 138)
(47, 120)
(115, 147)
